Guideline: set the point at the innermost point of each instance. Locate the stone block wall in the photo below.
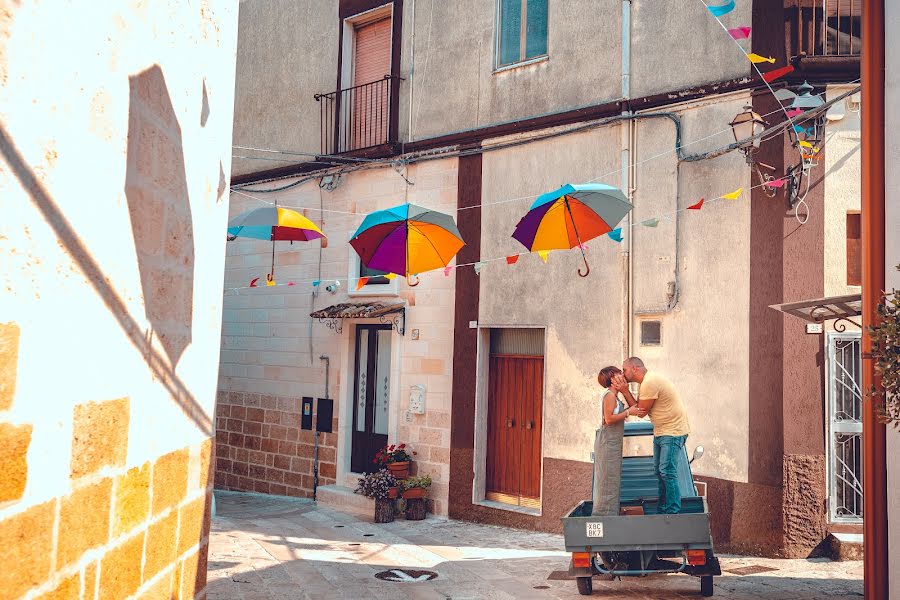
(115, 134)
(261, 448)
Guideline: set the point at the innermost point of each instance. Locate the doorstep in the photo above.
(846, 546)
(342, 498)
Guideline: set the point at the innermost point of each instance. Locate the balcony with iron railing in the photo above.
(359, 118)
(824, 36)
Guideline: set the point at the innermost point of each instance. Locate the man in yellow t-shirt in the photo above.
(670, 425)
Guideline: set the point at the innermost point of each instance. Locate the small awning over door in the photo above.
(393, 313)
(819, 310)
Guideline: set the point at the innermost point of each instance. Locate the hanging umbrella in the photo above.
(407, 240)
(275, 224)
(570, 216)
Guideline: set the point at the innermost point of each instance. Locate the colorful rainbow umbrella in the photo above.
(275, 224)
(407, 240)
(570, 216)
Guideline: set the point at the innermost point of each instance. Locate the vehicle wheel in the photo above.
(706, 586)
(586, 586)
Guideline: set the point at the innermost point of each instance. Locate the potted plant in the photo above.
(377, 486)
(415, 487)
(396, 459)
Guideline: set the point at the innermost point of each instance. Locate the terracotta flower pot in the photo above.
(416, 492)
(393, 492)
(400, 470)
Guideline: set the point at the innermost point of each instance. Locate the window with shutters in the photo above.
(521, 31)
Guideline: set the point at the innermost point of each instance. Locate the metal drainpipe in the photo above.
(412, 67)
(875, 524)
(627, 172)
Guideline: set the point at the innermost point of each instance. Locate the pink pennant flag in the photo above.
(290, 283)
(253, 282)
(511, 260)
(739, 33)
(794, 112)
(447, 271)
(775, 183)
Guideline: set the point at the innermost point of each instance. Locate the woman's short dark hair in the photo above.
(606, 375)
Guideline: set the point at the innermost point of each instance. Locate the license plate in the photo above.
(595, 530)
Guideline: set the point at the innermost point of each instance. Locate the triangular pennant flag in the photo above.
(805, 144)
(253, 282)
(447, 271)
(650, 223)
(511, 260)
(270, 281)
(739, 33)
(777, 73)
(696, 206)
(775, 183)
(784, 95)
(733, 195)
(616, 233)
(794, 112)
(723, 9)
(544, 254)
(803, 130)
(478, 267)
(390, 276)
(361, 282)
(316, 283)
(290, 283)
(756, 58)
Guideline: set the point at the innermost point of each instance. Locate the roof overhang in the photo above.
(819, 310)
(391, 313)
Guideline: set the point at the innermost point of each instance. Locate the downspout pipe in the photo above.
(626, 181)
(412, 67)
(875, 522)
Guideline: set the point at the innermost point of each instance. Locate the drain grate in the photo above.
(406, 575)
(542, 587)
(750, 570)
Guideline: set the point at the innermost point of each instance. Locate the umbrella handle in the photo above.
(409, 281)
(586, 266)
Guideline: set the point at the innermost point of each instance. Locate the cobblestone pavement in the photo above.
(264, 547)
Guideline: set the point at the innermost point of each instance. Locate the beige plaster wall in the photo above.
(842, 191)
(584, 317)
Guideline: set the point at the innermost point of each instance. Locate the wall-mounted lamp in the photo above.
(808, 140)
(746, 127)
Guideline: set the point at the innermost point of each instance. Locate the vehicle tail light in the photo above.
(581, 559)
(696, 557)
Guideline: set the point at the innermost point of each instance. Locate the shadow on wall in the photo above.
(165, 311)
(156, 189)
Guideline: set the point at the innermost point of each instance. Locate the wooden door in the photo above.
(371, 394)
(371, 62)
(515, 403)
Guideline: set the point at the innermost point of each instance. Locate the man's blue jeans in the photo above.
(665, 455)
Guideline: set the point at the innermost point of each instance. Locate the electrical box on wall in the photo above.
(417, 399)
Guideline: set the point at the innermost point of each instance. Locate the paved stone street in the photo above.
(265, 547)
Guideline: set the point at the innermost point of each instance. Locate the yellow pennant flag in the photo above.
(734, 195)
(805, 144)
(389, 276)
(756, 58)
(543, 254)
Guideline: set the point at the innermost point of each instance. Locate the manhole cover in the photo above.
(750, 570)
(406, 575)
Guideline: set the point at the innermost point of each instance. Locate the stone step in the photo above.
(846, 546)
(342, 498)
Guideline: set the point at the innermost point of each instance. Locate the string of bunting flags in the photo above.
(390, 240)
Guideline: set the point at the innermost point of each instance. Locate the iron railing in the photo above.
(825, 28)
(358, 117)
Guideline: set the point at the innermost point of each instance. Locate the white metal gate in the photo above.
(844, 402)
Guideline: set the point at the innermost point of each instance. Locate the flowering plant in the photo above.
(375, 485)
(392, 454)
(422, 481)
